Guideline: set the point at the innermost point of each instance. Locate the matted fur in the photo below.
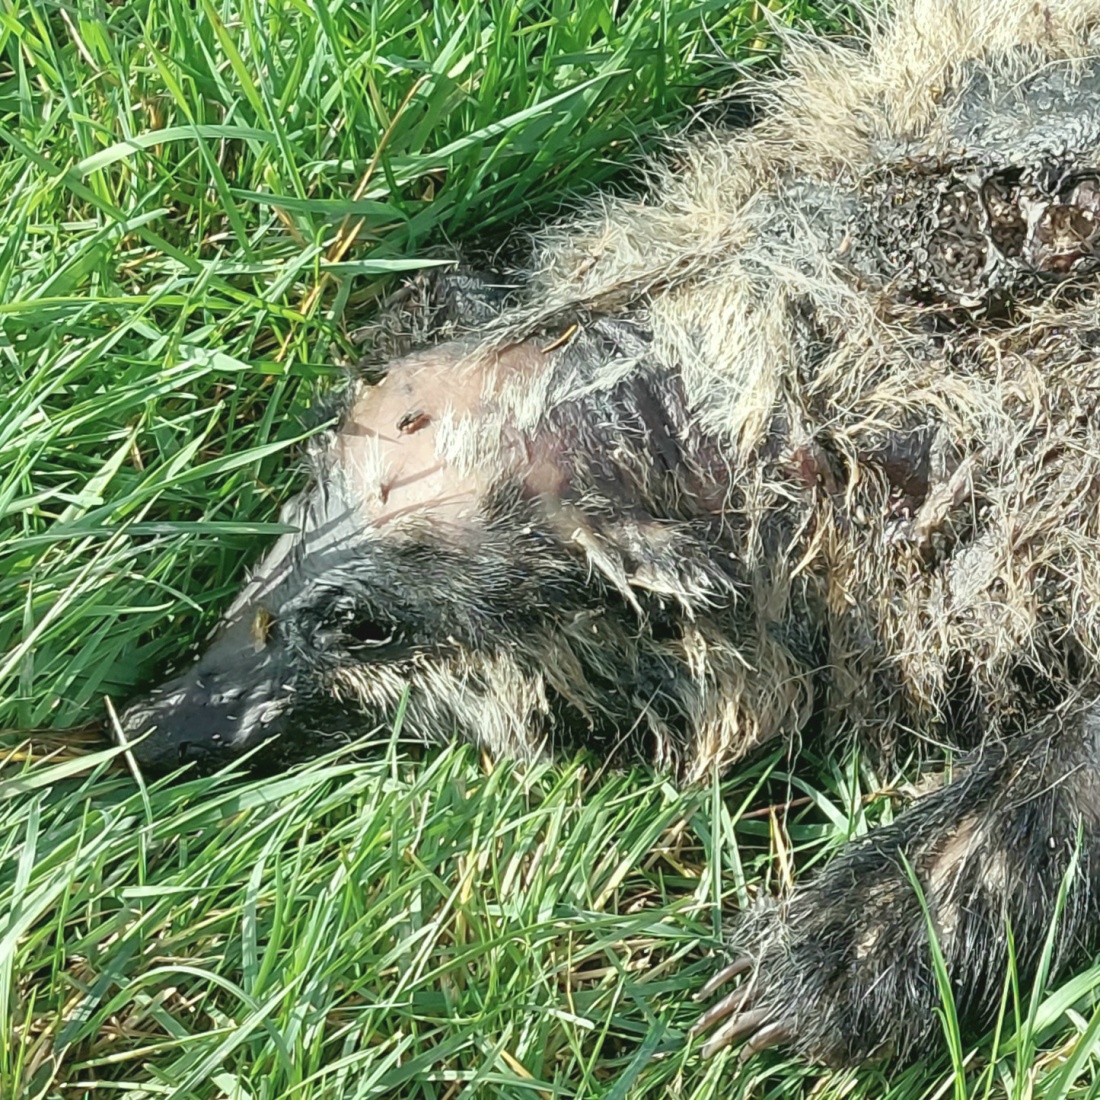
(753, 238)
(806, 439)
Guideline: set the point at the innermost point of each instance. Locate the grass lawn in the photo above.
(200, 203)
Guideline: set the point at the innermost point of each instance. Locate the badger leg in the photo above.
(842, 969)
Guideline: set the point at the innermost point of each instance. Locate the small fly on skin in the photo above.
(262, 622)
(413, 421)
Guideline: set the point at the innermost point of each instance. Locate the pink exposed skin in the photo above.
(391, 448)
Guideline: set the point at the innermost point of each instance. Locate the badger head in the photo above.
(533, 544)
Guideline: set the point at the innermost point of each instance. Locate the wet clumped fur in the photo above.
(803, 442)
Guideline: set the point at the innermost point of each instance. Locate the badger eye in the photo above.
(367, 632)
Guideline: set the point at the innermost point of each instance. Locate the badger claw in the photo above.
(744, 1020)
(737, 1001)
(773, 1035)
(742, 1024)
(739, 966)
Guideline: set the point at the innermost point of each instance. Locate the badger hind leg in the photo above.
(842, 969)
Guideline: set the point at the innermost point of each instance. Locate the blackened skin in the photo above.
(233, 699)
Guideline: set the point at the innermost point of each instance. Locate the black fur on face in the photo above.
(330, 646)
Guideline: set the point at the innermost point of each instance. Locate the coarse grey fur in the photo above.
(806, 439)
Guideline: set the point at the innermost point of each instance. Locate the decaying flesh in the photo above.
(806, 440)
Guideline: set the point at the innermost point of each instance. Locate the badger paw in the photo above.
(841, 971)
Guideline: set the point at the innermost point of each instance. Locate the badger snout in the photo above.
(203, 717)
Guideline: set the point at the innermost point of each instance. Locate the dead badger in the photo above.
(806, 439)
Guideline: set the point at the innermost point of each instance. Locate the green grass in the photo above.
(199, 203)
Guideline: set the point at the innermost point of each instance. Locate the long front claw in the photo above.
(743, 1020)
(773, 1035)
(727, 973)
(737, 1001)
(744, 1023)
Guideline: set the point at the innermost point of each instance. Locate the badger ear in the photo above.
(670, 561)
(661, 558)
(605, 558)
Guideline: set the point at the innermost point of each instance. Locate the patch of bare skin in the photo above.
(868, 941)
(944, 873)
(391, 447)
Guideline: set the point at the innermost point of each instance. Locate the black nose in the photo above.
(174, 727)
(189, 752)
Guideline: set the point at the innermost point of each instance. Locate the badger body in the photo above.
(805, 439)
